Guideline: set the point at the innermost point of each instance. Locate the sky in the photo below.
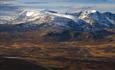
(62, 5)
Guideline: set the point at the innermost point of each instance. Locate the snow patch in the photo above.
(93, 11)
(29, 13)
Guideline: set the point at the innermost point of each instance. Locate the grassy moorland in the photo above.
(66, 55)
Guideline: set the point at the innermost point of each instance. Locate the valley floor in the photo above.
(64, 55)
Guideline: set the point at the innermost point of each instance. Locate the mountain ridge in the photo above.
(57, 26)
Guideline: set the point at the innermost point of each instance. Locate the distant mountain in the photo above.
(57, 26)
(96, 19)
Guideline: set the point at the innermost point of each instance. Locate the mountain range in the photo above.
(51, 25)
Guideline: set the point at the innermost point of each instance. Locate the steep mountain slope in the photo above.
(110, 17)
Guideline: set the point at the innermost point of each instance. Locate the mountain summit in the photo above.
(94, 17)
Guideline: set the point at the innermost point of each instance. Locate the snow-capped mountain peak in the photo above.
(43, 16)
(94, 17)
(88, 13)
(32, 15)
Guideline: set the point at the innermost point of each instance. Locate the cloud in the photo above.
(106, 5)
(3, 1)
(85, 1)
(7, 0)
(100, 7)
